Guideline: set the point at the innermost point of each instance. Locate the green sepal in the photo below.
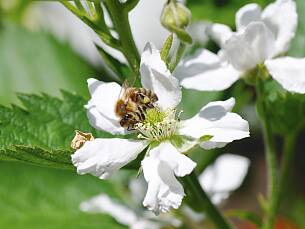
(164, 53)
(186, 143)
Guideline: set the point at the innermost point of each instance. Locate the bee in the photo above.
(132, 105)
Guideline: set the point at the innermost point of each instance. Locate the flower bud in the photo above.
(80, 138)
(175, 15)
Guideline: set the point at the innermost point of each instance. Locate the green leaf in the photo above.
(285, 111)
(31, 62)
(38, 156)
(37, 196)
(41, 133)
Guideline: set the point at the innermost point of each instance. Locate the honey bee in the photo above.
(133, 104)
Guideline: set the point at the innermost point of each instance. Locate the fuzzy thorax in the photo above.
(158, 125)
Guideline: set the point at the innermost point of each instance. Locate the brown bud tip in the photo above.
(80, 138)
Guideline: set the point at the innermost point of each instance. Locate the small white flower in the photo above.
(166, 136)
(261, 37)
(121, 213)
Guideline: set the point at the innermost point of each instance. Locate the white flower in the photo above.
(167, 137)
(122, 214)
(219, 179)
(261, 37)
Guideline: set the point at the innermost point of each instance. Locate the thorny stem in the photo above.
(194, 188)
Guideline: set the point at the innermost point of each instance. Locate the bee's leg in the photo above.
(130, 128)
(150, 105)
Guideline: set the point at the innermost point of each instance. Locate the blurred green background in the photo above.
(34, 60)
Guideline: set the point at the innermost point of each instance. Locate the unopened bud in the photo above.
(80, 138)
(176, 17)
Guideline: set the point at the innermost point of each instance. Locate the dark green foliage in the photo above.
(41, 133)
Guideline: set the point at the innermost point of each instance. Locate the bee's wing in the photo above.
(125, 85)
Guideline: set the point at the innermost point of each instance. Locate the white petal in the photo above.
(181, 164)
(164, 191)
(156, 77)
(282, 19)
(252, 46)
(104, 204)
(205, 72)
(289, 72)
(224, 176)
(198, 32)
(143, 223)
(220, 33)
(247, 14)
(101, 106)
(103, 156)
(215, 119)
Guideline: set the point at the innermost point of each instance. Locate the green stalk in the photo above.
(287, 160)
(195, 191)
(272, 175)
(285, 169)
(119, 16)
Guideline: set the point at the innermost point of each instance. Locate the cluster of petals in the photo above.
(262, 38)
(164, 161)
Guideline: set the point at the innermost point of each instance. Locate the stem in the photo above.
(119, 16)
(287, 160)
(178, 56)
(272, 191)
(271, 161)
(195, 191)
(103, 32)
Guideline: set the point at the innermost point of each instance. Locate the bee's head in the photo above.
(128, 121)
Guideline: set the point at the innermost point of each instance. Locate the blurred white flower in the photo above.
(224, 176)
(121, 213)
(260, 38)
(167, 137)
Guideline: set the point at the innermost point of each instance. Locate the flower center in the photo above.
(158, 125)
